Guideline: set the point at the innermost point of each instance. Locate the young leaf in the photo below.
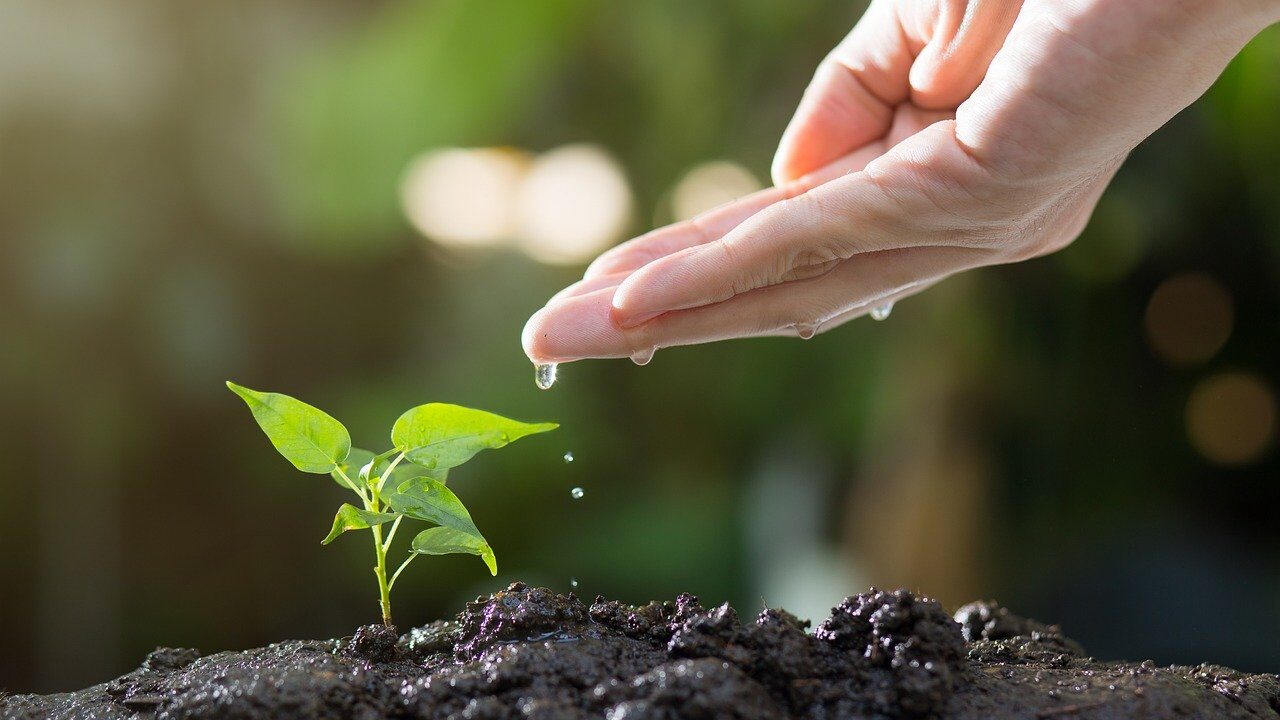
(307, 437)
(406, 470)
(446, 540)
(355, 460)
(441, 436)
(429, 500)
(375, 466)
(350, 517)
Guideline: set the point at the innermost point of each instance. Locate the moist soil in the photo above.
(529, 652)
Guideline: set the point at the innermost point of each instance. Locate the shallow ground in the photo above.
(531, 653)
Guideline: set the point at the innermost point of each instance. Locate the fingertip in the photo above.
(778, 171)
(627, 256)
(551, 336)
(533, 337)
(783, 170)
(602, 265)
(629, 321)
(574, 328)
(689, 278)
(629, 306)
(589, 285)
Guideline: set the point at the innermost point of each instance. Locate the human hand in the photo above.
(939, 136)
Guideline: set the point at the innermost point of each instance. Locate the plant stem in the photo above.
(395, 525)
(380, 571)
(400, 569)
(353, 486)
(373, 503)
(390, 469)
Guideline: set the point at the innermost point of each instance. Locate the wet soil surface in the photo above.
(531, 653)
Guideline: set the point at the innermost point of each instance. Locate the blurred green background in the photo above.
(194, 191)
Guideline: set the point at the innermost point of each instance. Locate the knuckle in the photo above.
(808, 215)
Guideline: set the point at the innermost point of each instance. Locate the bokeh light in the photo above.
(464, 197)
(1231, 418)
(573, 203)
(1188, 319)
(709, 185)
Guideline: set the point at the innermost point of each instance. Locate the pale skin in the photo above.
(939, 136)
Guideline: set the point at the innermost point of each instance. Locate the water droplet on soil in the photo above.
(806, 330)
(881, 312)
(568, 457)
(544, 375)
(642, 357)
(577, 493)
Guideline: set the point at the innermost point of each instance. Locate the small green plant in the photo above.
(407, 481)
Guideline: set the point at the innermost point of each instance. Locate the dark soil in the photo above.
(531, 653)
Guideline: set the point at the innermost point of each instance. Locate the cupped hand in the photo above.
(939, 136)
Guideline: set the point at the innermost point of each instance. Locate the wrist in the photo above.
(1249, 17)
(1209, 23)
(1268, 13)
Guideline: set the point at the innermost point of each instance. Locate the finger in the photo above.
(582, 326)
(762, 251)
(866, 308)
(851, 98)
(960, 46)
(933, 54)
(715, 223)
(925, 191)
(590, 284)
(695, 231)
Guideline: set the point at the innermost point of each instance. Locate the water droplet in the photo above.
(568, 457)
(881, 312)
(544, 375)
(573, 582)
(806, 330)
(642, 357)
(577, 493)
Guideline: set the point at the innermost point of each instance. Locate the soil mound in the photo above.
(528, 652)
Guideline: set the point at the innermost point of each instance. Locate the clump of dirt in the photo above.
(531, 653)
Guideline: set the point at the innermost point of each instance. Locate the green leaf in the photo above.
(375, 466)
(350, 517)
(410, 470)
(356, 459)
(307, 437)
(447, 540)
(426, 499)
(441, 436)
(405, 470)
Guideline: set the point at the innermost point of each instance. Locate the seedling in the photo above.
(407, 481)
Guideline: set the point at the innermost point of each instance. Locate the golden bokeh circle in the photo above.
(1231, 418)
(1189, 319)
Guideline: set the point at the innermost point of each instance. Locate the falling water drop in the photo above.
(881, 312)
(573, 582)
(544, 375)
(642, 357)
(568, 456)
(806, 330)
(577, 493)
